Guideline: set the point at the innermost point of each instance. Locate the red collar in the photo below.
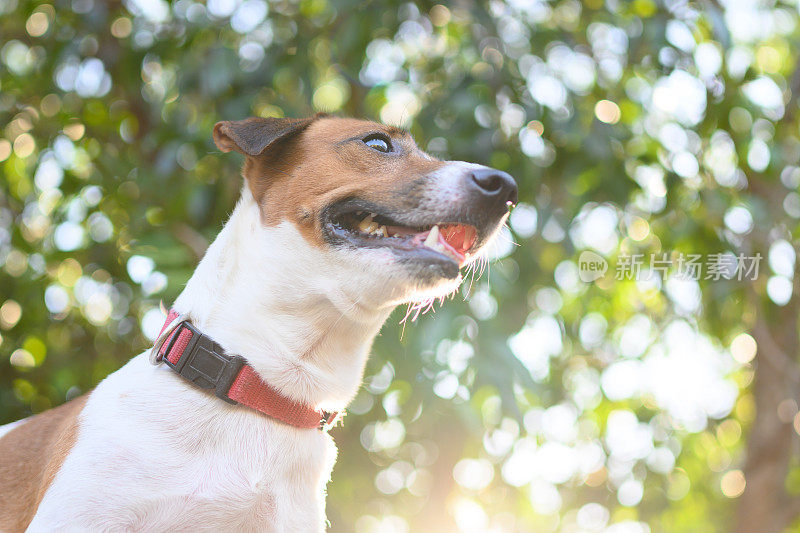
(202, 361)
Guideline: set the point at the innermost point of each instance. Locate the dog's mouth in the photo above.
(449, 242)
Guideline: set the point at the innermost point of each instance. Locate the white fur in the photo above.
(154, 453)
(450, 180)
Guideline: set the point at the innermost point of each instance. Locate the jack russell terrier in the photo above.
(222, 425)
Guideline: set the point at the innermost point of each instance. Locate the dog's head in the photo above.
(373, 203)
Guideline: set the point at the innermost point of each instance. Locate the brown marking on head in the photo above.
(30, 456)
(296, 168)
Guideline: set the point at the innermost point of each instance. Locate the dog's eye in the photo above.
(379, 142)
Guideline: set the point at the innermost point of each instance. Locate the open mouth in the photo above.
(446, 240)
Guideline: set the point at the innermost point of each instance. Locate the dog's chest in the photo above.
(221, 494)
(239, 492)
(144, 463)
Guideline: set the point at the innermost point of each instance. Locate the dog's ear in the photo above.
(252, 136)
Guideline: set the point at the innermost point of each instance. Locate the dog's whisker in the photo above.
(403, 322)
(409, 310)
(471, 280)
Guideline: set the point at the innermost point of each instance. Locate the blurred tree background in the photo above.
(540, 402)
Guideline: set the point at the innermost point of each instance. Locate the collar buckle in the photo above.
(205, 363)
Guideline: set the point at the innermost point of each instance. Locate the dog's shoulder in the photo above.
(32, 453)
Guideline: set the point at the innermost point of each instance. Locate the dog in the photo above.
(222, 426)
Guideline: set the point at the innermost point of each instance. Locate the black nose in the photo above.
(494, 184)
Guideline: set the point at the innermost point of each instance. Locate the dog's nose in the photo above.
(494, 184)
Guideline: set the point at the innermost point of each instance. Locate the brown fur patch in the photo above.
(297, 177)
(30, 456)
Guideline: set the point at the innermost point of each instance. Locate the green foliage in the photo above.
(532, 400)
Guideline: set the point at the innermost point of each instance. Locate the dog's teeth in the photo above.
(432, 241)
(367, 225)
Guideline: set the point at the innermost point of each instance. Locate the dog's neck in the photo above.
(264, 293)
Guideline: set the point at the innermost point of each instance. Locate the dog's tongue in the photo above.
(460, 238)
(456, 239)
